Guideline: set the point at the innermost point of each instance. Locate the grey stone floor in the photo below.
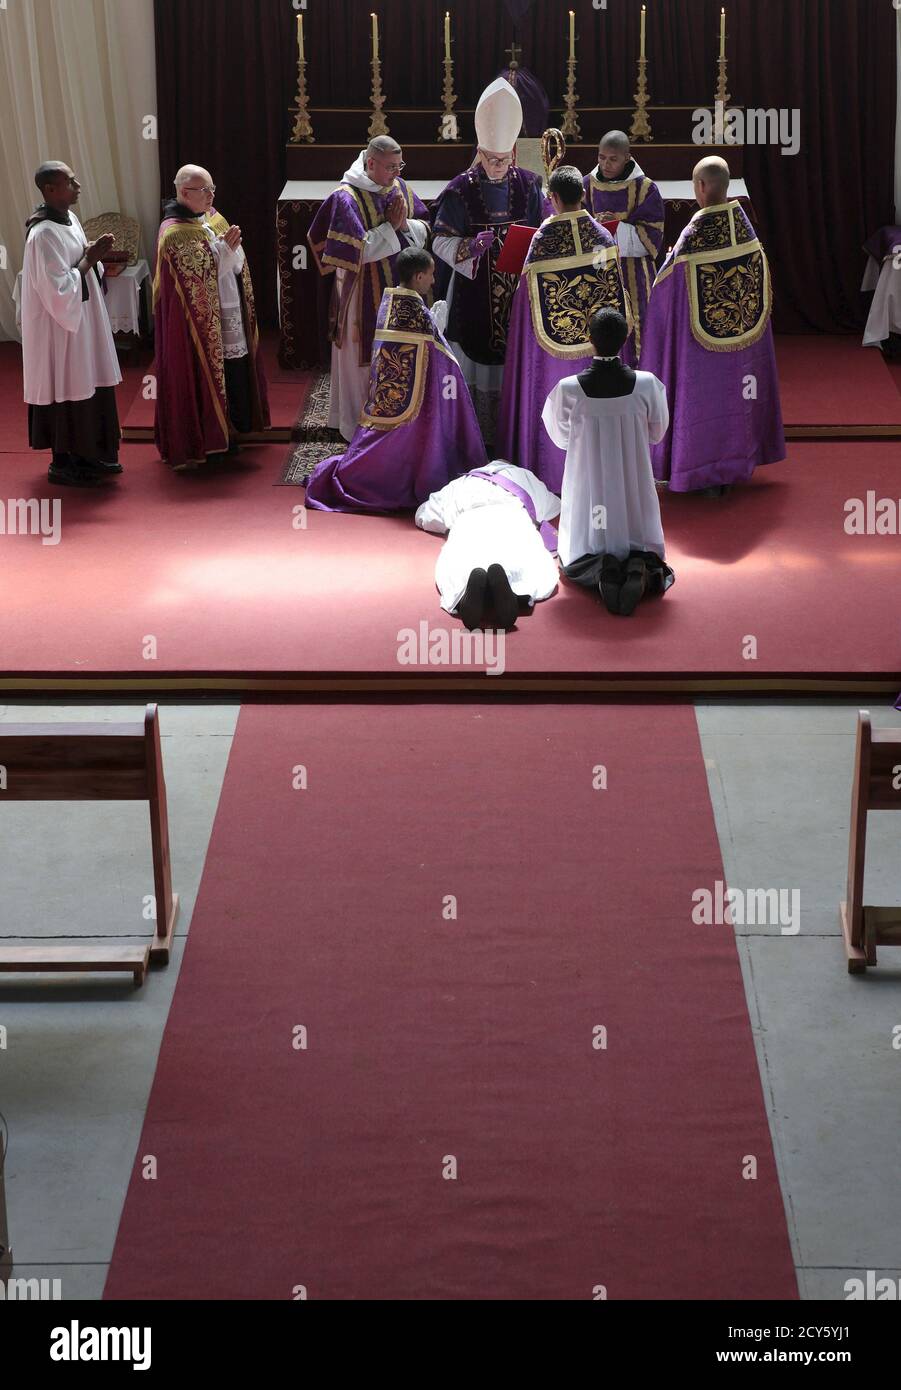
(79, 1058)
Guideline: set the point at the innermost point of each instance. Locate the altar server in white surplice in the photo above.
(68, 355)
(606, 419)
(499, 547)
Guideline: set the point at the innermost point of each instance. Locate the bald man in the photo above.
(709, 339)
(211, 386)
(620, 196)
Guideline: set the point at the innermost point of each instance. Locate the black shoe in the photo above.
(503, 600)
(611, 582)
(73, 475)
(720, 490)
(634, 586)
(471, 608)
(103, 467)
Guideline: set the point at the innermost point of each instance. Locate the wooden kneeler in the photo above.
(877, 766)
(93, 762)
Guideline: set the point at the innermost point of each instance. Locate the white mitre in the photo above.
(498, 117)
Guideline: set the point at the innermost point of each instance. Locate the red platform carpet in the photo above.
(430, 1039)
(287, 393)
(214, 568)
(835, 384)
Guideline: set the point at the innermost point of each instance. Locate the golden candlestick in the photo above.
(641, 124)
(722, 63)
(448, 128)
(570, 125)
(378, 125)
(303, 128)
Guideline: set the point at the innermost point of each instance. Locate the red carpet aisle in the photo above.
(469, 1039)
(213, 568)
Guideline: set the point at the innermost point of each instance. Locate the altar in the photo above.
(439, 143)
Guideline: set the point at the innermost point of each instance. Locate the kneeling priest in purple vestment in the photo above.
(418, 429)
(572, 271)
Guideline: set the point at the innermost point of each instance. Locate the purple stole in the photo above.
(573, 270)
(546, 530)
(336, 239)
(480, 308)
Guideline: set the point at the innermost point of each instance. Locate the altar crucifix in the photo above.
(515, 52)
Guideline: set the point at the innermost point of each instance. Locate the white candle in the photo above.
(300, 37)
(375, 38)
(643, 18)
(572, 35)
(447, 52)
(722, 33)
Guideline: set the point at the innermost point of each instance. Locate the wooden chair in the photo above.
(877, 770)
(126, 231)
(93, 762)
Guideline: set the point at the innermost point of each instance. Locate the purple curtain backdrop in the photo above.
(226, 74)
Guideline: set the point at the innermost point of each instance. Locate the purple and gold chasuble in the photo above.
(418, 429)
(571, 271)
(709, 339)
(471, 203)
(634, 200)
(336, 239)
(192, 418)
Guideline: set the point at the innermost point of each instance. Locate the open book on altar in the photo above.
(515, 249)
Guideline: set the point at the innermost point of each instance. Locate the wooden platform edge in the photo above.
(238, 683)
(279, 434)
(283, 434)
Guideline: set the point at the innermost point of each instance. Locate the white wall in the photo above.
(77, 81)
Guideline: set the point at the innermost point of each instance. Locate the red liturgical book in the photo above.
(516, 248)
(611, 228)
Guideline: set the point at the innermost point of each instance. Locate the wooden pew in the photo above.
(93, 762)
(876, 787)
(6, 1254)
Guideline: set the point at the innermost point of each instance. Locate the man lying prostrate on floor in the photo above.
(606, 419)
(499, 546)
(418, 429)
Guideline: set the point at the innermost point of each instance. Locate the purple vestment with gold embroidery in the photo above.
(571, 271)
(709, 339)
(336, 238)
(418, 429)
(635, 201)
(471, 203)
